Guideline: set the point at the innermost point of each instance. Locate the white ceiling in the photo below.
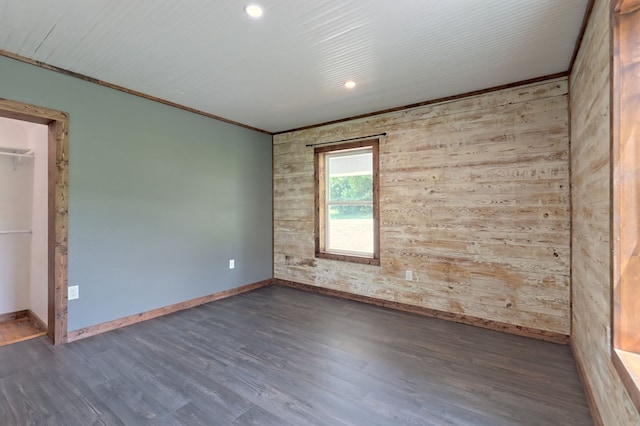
(287, 69)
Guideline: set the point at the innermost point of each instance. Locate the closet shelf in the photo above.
(17, 231)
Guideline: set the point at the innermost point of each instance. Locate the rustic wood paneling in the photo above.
(431, 313)
(591, 204)
(474, 199)
(584, 378)
(433, 101)
(58, 197)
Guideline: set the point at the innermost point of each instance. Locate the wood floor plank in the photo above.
(281, 356)
(256, 416)
(19, 329)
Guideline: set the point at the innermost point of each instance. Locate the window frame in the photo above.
(320, 153)
(625, 194)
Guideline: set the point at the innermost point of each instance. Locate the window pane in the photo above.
(347, 206)
(350, 177)
(350, 228)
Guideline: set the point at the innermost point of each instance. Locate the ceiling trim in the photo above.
(583, 28)
(311, 126)
(433, 101)
(125, 90)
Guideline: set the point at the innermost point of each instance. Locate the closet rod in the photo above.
(15, 154)
(19, 231)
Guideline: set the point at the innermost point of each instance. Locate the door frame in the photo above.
(58, 207)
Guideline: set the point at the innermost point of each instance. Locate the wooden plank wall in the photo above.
(474, 200)
(591, 260)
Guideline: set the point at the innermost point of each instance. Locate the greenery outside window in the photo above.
(347, 225)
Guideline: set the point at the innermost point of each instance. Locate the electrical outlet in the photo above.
(232, 263)
(73, 292)
(408, 275)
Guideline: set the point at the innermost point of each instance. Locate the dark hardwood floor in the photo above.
(280, 356)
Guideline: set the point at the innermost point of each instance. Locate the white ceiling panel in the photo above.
(287, 69)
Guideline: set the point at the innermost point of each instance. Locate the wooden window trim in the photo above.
(320, 193)
(625, 169)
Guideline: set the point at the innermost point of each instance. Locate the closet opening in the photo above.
(33, 222)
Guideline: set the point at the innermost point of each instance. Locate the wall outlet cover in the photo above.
(73, 292)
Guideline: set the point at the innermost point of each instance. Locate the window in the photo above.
(347, 202)
(626, 195)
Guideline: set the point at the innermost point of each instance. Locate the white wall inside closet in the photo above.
(23, 207)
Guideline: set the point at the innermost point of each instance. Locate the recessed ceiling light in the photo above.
(253, 10)
(350, 84)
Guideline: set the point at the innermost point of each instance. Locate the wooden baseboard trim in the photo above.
(547, 336)
(586, 385)
(14, 315)
(37, 320)
(154, 313)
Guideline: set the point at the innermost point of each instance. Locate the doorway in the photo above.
(57, 123)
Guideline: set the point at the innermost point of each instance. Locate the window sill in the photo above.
(628, 366)
(347, 258)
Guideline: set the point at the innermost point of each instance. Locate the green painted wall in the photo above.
(159, 198)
